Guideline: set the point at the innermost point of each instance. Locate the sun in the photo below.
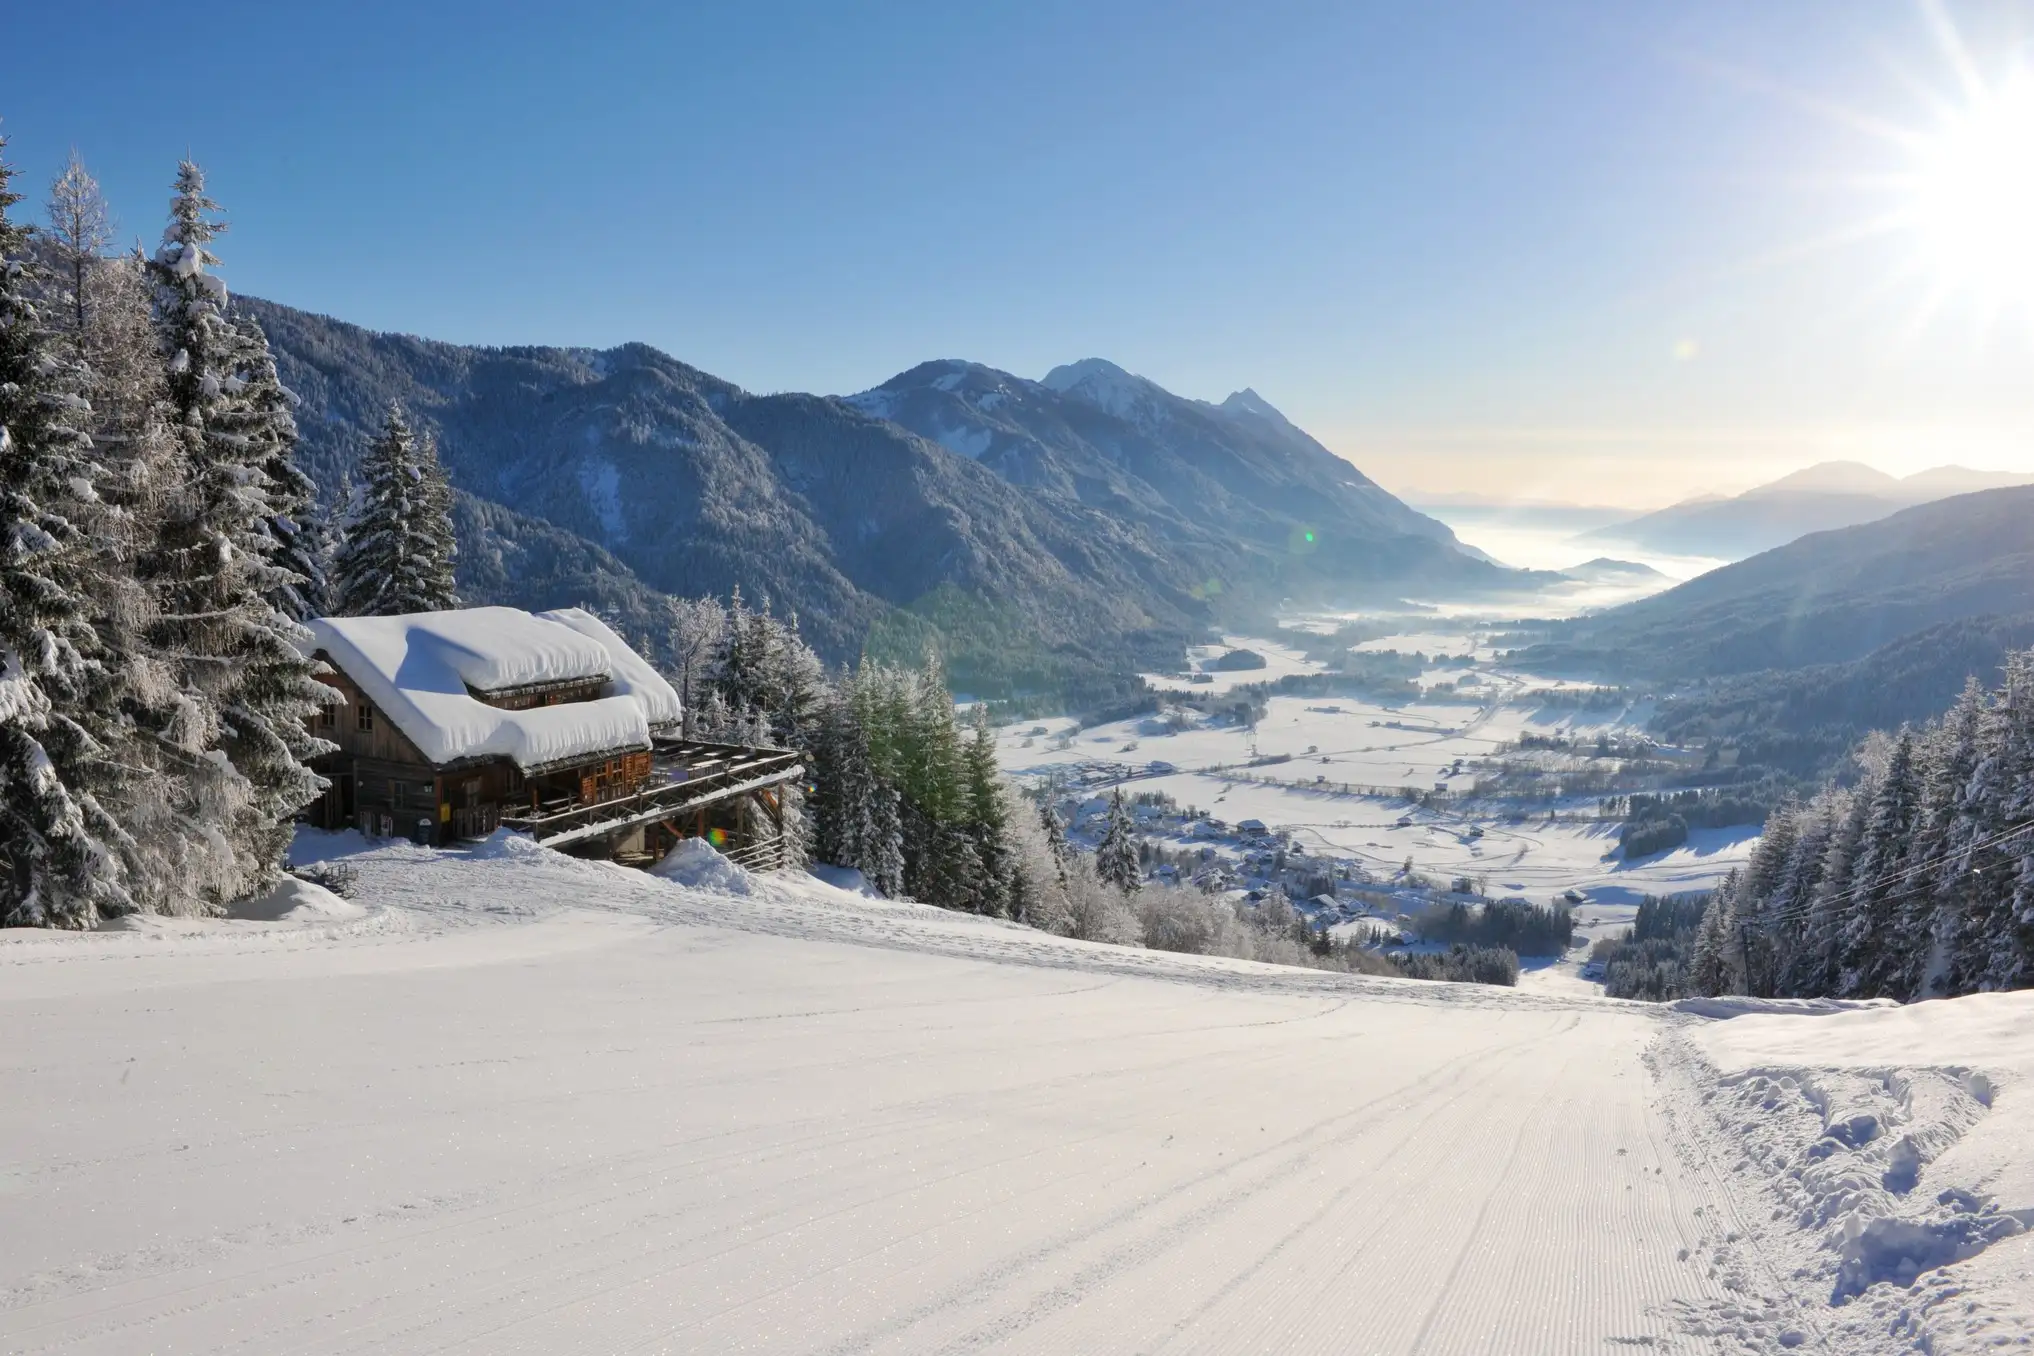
(1974, 193)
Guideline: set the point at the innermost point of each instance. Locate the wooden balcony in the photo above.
(685, 776)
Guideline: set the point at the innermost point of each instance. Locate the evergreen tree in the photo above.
(156, 781)
(941, 865)
(1872, 953)
(761, 664)
(856, 812)
(1816, 876)
(1037, 879)
(1927, 912)
(1979, 880)
(398, 553)
(1763, 877)
(296, 542)
(248, 689)
(57, 868)
(2010, 959)
(1714, 968)
(989, 824)
(1116, 857)
(1055, 835)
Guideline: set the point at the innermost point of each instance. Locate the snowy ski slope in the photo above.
(518, 1103)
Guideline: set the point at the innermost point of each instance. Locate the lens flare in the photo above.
(1975, 200)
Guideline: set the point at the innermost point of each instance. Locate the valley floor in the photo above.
(521, 1104)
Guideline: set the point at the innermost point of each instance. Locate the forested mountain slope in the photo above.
(1237, 477)
(511, 559)
(1827, 598)
(1805, 721)
(697, 486)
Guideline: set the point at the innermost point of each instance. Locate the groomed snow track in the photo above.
(530, 1104)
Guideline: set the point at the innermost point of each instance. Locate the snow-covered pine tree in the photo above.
(1715, 967)
(157, 784)
(988, 823)
(1116, 858)
(1817, 877)
(55, 868)
(296, 533)
(1037, 877)
(1980, 876)
(1871, 953)
(1763, 876)
(878, 809)
(1945, 755)
(764, 664)
(941, 865)
(398, 550)
(1055, 835)
(249, 689)
(855, 812)
(2011, 963)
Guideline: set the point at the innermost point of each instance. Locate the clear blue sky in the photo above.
(1563, 247)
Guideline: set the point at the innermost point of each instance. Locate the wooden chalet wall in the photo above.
(383, 783)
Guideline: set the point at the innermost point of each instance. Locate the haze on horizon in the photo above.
(1607, 255)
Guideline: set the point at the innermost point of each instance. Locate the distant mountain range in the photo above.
(1045, 533)
(1828, 598)
(1822, 497)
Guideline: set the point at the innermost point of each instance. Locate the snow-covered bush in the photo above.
(1097, 911)
(1177, 919)
(341, 878)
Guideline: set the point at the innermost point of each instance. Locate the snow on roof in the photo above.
(629, 674)
(424, 670)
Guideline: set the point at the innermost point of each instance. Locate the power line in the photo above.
(1802, 911)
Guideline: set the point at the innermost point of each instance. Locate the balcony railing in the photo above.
(685, 776)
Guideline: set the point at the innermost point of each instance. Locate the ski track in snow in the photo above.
(528, 1104)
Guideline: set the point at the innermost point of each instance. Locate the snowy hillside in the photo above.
(509, 1101)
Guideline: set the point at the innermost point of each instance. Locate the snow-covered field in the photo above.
(1279, 660)
(515, 1103)
(1351, 741)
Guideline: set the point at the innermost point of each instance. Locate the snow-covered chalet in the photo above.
(457, 723)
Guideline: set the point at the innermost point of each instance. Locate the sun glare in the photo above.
(1976, 194)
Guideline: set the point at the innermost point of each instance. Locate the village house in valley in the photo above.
(456, 723)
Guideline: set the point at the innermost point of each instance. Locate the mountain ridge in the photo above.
(1203, 476)
(1029, 573)
(1826, 598)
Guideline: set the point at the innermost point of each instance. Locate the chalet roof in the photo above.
(428, 670)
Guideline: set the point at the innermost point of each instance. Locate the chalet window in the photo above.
(365, 717)
(395, 794)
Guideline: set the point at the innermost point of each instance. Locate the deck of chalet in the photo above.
(451, 725)
(729, 794)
